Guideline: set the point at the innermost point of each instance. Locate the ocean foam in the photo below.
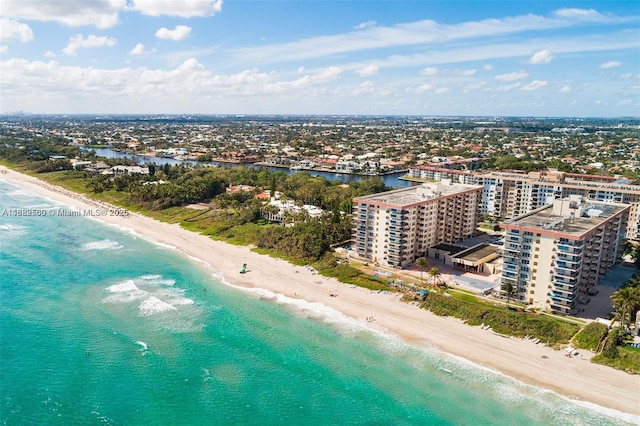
(128, 285)
(153, 305)
(124, 292)
(101, 245)
(150, 277)
(313, 310)
(154, 280)
(11, 227)
(158, 295)
(180, 301)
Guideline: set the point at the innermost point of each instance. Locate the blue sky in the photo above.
(489, 58)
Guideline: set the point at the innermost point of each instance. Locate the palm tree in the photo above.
(626, 300)
(422, 263)
(509, 289)
(434, 273)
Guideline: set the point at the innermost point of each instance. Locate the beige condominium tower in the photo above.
(396, 227)
(555, 255)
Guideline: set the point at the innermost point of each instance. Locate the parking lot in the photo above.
(599, 306)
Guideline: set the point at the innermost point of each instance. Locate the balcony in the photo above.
(570, 249)
(510, 267)
(563, 289)
(562, 299)
(564, 280)
(567, 273)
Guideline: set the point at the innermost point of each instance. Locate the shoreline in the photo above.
(574, 378)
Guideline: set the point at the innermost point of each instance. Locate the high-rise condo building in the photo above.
(396, 227)
(554, 255)
(510, 194)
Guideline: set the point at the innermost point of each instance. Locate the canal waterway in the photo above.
(393, 180)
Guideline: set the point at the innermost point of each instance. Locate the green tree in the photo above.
(421, 263)
(434, 274)
(509, 289)
(626, 301)
(272, 187)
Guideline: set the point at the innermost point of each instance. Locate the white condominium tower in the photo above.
(396, 227)
(556, 254)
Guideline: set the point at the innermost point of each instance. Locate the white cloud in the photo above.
(491, 51)
(180, 32)
(429, 71)
(367, 71)
(465, 73)
(100, 13)
(629, 75)
(182, 8)
(425, 88)
(474, 86)
(137, 50)
(78, 41)
(506, 88)
(541, 57)
(535, 85)
(487, 67)
(573, 13)
(512, 76)
(11, 30)
(103, 13)
(565, 89)
(49, 54)
(364, 25)
(423, 32)
(610, 64)
(185, 87)
(4, 49)
(442, 90)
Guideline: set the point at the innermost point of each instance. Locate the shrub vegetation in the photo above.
(590, 336)
(549, 330)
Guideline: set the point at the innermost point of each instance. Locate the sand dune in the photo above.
(575, 378)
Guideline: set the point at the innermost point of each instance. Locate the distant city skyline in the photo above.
(366, 57)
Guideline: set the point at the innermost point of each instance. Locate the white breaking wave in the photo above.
(153, 305)
(154, 280)
(124, 292)
(101, 245)
(11, 227)
(145, 347)
(180, 301)
(156, 295)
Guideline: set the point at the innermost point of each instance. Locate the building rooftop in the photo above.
(406, 197)
(573, 216)
(478, 252)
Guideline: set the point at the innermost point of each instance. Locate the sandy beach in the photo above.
(575, 378)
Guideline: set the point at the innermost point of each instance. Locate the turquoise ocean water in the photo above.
(98, 326)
